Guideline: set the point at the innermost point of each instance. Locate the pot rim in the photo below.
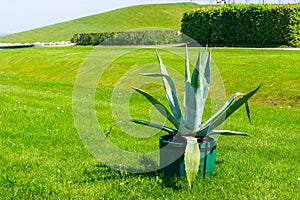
(167, 140)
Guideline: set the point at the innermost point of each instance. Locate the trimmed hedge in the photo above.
(91, 38)
(244, 25)
(141, 37)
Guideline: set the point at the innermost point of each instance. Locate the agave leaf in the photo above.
(222, 110)
(175, 109)
(227, 132)
(189, 99)
(196, 73)
(207, 69)
(195, 101)
(220, 118)
(191, 108)
(110, 129)
(187, 66)
(204, 54)
(160, 107)
(186, 131)
(154, 125)
(151, 124)
(205, 83)
(248, 111)
(191, 160)
(240, 102)
(201, 72)
(170, 89)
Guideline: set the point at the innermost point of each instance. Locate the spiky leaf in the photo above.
(191, 108)
(205, 83)
(220, 118)
(236, 105)
(227, 132)
(160, 107)
(221, 111)
(248, 111)
(170, 89)
(195, 81)
(187, 66)
(154, 125)
(196, 92)
(207, 69)
(191, 160)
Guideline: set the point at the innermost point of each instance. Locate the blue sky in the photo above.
(21, 15)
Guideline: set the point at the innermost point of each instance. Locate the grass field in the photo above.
(42, 156)
(166, 16)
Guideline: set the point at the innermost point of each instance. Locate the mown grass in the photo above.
(167, 16)
(43, 157)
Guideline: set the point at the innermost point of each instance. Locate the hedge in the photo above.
(244, 25)
(91, 38)
(141, 37)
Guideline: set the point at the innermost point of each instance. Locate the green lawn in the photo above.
(42, 156)
(166, 16)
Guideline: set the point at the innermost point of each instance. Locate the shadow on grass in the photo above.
(99, 172)
(219, 162)
(171, 182)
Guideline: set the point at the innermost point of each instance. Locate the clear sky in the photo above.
(21, 15)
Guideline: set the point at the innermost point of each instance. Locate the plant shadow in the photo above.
(99, 171)
(171, 182)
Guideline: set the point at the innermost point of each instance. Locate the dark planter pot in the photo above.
(172, 156)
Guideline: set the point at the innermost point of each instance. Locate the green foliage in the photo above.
(244, 25)
(91, 38)
(141, 37)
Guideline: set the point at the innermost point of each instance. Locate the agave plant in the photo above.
(189, 125)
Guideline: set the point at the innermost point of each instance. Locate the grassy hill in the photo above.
(154, 15)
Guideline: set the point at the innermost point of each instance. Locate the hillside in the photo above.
(153, 15)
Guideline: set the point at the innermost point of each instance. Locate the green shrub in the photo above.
(91, 38)
(244, 25)
(141, 37)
